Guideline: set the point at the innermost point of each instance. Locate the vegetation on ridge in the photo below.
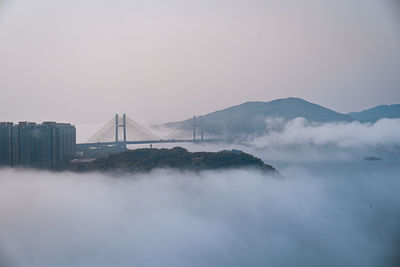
(142, 160)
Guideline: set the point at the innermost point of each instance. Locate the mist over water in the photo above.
(232, 218)
(384, 132)
(331, 210)
(301, 141)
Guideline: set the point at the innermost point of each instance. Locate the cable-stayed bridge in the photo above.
(123, 131)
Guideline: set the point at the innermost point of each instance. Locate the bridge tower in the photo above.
(117, 126)
(195, 126)
(131, 131)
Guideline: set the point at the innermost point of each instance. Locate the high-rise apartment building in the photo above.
(36, 145)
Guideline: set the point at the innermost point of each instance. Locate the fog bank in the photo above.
(230, 218)
(301, 141)
(384, 132)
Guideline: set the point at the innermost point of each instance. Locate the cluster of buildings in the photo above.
(36, 145)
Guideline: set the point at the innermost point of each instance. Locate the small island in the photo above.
(147, 159)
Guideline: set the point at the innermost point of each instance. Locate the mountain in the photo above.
(250, 117)
(376, 113)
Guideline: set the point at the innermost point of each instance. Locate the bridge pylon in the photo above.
(117, 126)
(195, 126)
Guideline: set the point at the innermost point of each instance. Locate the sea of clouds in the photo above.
(299, 140)
(170, 218)
(384, 132)
(332, 209)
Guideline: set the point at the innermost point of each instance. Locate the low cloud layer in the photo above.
(342, 134)
(298, 140)
(231, 218)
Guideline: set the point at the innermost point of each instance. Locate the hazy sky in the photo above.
(82, 61)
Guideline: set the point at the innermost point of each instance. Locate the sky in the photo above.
(158, 61)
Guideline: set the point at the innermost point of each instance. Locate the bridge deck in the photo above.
(161, 141)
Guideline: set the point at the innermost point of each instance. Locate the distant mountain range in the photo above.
(376, 113)
(250, 117)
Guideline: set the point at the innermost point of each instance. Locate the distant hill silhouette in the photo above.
(250, 117)
(376, 113)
